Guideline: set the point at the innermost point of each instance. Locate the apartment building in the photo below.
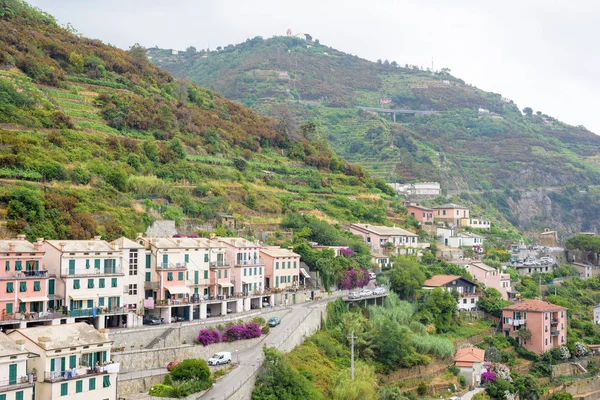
(547, 323)
(477, 223)
(420, 213)
(74, 361)
(450, 213)
(16, 379)
(282, 267)
(378, 237)
(468, 292)
(490, 277)
(247, 274)
(24, 279)
(91, 278)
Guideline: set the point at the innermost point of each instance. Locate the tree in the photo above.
(240, 164)
(406, 277)
(362, 387)
(561, 396)
(191, 369)
(151, 150)
(497, 388)
(26, 204)
(177, 147)
(439, 308)
(529, 387)
(528, 111)
(491, 302)
(279, 379)
(524, 334)
(76, 60)
(138, 53)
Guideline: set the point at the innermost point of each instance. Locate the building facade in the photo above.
(248, 271)
(468, 292)
(547, 323)
(490, 277)
(282, 267)
(420, 213)
(476, 223)
(380, 237)
(470, 361)
(16, 379)
(450, 213)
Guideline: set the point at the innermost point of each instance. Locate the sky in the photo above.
(539, 53)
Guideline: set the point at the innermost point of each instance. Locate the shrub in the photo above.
(454, 370)
(265, 330)
(259, 320)
(239, 332)
(161, 390)
(195, 369)
(422, 389)
(80, 176)
(207, 336)
(463, 381)
(351, 279)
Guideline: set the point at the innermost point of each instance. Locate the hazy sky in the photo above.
(539, 53)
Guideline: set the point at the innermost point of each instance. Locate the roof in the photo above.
(238, 242)
(419, 207)
(469, 355)
(125, 243)
(441, 280)
(469, 234)
(8, 347)
(21, 246)
(278, 252)
(534, 305)
(483, 266)
(81, 245)
(63, 336)
(449, 205)
(384, 230)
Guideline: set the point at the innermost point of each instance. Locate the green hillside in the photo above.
(97, 140)
(498, 149)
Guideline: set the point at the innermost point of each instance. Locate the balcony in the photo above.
(471, 294)
(554, 333)
(31, 274)
(66, 272)
(516, 322)
(201, 282)
(171, 267)
(220, 264)
(554, 321)
(249, 263)
(76, 373)
(20, 382)
(85, 312)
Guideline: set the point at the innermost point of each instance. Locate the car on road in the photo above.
(172, 364)
(354, 295)
(151, 320)
(274, 321)
(224, 357)
(379, 291)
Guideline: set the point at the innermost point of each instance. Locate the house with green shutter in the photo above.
(23, 280)
(74, 361)
(89, 278)
(16, 378)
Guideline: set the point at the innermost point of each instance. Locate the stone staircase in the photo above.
(160, 337)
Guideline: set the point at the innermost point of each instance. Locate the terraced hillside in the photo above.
(96, 140)
(477, 141)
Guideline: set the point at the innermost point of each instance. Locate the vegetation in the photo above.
(188, 377)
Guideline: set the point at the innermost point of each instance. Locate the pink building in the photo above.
(547, 323)
(247, 274)
(378, 237)
(420, 213)
(24, 286)
(450, 213)
(282, 267)
(490, 277)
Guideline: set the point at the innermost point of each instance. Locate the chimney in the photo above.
(97, 237)
(21, 344)
(104, 333)
(11, 247)
(44, 342)
(21, 237)
(62, 246)
(139, 235)
(38, 245)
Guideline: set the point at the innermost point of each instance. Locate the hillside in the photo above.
(523, 161)
(97, 140)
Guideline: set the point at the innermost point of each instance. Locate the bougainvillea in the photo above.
(207, 336)
(347, 252)
(240, 332)
(352, 278)
(502, 372)
(488, 376)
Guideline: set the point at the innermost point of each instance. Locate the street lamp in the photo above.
(237, 357)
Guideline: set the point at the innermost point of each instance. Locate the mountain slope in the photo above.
(96, 140)
(468, 150)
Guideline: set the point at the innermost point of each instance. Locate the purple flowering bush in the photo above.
(352, 278)
(230, 334)
(488, 376)
(347, 252)
(207, 336)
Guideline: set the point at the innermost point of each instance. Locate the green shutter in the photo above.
(7, 265)
(92, 383)
(97, 263)
(10, 288)
(180, 276)
(106, 381)
(79, 386)
(18, 265)
(103, 356)
(75, 283)
(19, 395)
(169, 276)
(101, 283)
(147, 260)
(90, 283)
(22, 308)
(244, 271)
(206, 258)
(186, 258)
(63, 364)
(71, 267)
(9, 308)
(72, 361)
(277, 265)
(113, 282)
(50, 286)
(196, 276)
(52, 365)
(90, 304)
(37, 286)
(276, 281)
(12, 374)
(64, 389)
(101, 301)
(87, 264)
(205, 274)
(22, 286)
(148, 277)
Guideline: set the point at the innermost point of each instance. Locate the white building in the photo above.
(472, 240)
(477, 223)
(16, 379)
(429, 189)
(379, 237)
(73, 363)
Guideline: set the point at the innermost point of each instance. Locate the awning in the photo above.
(304, 273)
(32, 299)
(178, 289)
(225, 283)
(83, 296)
(54, 297)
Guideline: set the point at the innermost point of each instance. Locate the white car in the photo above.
(354, 295)
(366, 293)
(379, 290)
(223, 357)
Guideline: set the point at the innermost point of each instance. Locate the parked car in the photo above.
(366, 293)
(223, 357)
(372, 275)
(172, 364)
(274, 321)
(379, 291)
(354, 295)
(151, 320)
(266, 304)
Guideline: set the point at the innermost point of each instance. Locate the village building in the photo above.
(468, 293)
(469, 361)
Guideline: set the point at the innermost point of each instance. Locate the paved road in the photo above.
(250, 359)
(469, 395)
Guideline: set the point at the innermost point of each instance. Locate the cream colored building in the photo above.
(74, 361)
(16, 380)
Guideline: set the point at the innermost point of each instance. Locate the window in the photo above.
(10, 287)
(18, 265)
(546, 341)
(250, 271)
(22, 286)
(9, 309)
(19, 395)
(75, 283)
(148, 277)
(100, 301)
(206, 258)
(133, 262)
(148, 262)
(133, 289)
(294, 264)
(72, 361)
(90, 304)
(169, 276)
(205, 274)
(79, 386)
(472, 300)
(106, 381)
(7, 265)
(64, 389)
(113, 282)
(87, 264)
(97, 263)
(289, 264)
(225, 273)
(546, 328)
(276, 265)
(101, 283)
(92, 384)
(255, 271)
(244, 271)
(180, 276)
(37, 286)
(90, 283)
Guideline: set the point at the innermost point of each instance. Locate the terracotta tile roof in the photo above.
(535, 305)
(441, 280)
(469, 355)
(383, 230)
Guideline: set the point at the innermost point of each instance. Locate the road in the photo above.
(250, 359)
(469, 395)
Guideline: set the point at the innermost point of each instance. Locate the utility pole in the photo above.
(352, 355)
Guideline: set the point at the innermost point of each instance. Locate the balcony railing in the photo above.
(171, 266)
(554, 321)
(220, 264)
(18, 382)
(253, 263)
(554, 333)
(92, 271)
(201, 282)
(31, 274)
(57, 376)
(470, 294)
